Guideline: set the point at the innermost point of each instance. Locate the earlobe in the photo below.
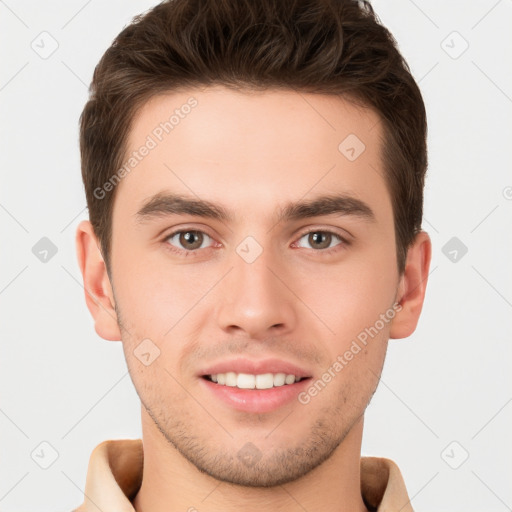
(99, 296)
(413, 284)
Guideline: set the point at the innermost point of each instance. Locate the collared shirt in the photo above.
(114, 477)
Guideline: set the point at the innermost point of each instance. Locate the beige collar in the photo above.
(114, 477)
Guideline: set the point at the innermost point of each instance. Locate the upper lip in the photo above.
(242, 365)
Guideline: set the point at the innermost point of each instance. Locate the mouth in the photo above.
(254, 386)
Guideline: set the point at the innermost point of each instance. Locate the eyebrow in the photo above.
(163, 204)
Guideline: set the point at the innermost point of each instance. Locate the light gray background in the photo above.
(449, 382)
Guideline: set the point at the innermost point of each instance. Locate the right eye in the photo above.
(188, 240)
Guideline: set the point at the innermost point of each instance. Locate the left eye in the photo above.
(189, 239)
(320, 239)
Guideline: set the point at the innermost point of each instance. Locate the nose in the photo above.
(255, 298)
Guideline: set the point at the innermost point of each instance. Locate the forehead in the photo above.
(247, 147)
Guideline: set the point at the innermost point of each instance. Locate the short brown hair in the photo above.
(317, 46)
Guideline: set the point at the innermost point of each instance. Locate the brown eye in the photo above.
(188, 239)
(319, 240)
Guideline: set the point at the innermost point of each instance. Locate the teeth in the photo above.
(264, 381)
(231, 379)
(279, 379)
(245, 381)
(249, 381)
(290, 379)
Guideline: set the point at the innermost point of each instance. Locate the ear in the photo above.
(99, 295)
(412, 287)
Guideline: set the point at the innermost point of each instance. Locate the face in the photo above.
(254, 241)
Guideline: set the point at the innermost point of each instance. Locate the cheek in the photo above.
(156, 294)
(348, 299)
(156, 386)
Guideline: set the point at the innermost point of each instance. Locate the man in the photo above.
(254, 174)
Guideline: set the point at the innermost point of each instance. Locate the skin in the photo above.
(252, 153)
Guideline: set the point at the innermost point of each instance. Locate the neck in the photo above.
(171, 483)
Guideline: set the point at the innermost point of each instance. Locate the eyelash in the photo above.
(188, 253)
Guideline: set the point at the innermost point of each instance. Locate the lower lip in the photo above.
(256, 400)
